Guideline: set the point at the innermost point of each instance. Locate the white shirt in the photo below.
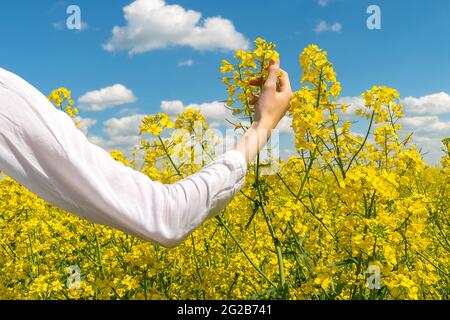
(41, 148)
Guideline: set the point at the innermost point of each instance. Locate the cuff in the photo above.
(239, 163)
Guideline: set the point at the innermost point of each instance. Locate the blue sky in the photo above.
(410, 53)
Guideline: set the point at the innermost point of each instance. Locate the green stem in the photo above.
(244, 252)
(196, 265)
(302, 186)
(168, 156)
(363, 143)
(338, 150)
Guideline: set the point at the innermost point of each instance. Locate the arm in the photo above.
(41, 148)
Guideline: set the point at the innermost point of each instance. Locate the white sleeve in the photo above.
(41, 148)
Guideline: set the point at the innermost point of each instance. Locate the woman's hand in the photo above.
(270, 107)
(273, 103)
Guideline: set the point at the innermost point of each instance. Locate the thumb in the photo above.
(274, 70)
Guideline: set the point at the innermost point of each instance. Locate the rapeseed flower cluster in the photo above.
(61, 98)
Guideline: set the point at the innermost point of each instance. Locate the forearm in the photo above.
(254, 139)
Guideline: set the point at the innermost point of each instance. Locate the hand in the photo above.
(273, 102)
(270, 107)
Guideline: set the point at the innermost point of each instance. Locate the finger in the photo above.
(254, 101)
(255, 82)
(272, 79)
(285, 82)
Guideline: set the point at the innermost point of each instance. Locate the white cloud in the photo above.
(287, 153)
(433, 104)
(84, 26)
(121, 134)
(213, 111)
(153, 24)
(215, 125)
(86, 124)
(430, 147)
(128, 111)
(323, 3)
(58, 25)
(352, 103)
(126, 126)
(172, 108)
(124, 144)
(426, 117)
(186, 63)
(285, 125)
(61, 25)
(323, 26)
(337, 27)
(426, 124)
(106, 98)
